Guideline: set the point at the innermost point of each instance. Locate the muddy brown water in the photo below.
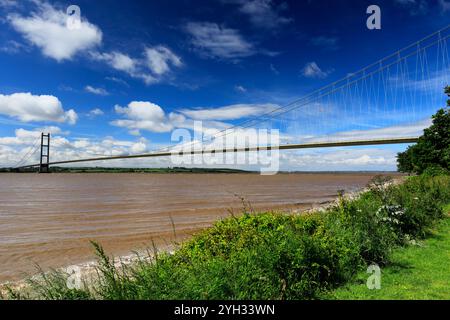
(49, 219)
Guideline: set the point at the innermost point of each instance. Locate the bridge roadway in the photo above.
(247, 149)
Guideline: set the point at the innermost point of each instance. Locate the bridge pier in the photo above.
(44, 166)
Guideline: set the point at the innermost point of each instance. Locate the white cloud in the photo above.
(125, 63)
(214, 41)
(117, 60)
(96, 91)
(139, 147)
(312, 70)
(52, 130)
(156, 63)
(160, 58)
(95, 113)
(22, 137)
(46, 28)
(27, 108)
(141, 115)
(231, 112)
(14, 148)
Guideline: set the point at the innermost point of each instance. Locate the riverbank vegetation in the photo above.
(273, 255)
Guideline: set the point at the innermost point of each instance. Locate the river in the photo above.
(49, 219)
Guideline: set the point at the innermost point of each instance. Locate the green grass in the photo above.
(416, 272)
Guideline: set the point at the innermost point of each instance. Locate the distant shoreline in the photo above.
(180, 170)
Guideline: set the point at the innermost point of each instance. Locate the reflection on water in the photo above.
(49, 219)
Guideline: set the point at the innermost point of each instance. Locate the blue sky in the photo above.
(137, 70)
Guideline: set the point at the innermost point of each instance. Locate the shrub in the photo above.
(435, 171)
(422, 198)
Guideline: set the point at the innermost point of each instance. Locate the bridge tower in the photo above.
(45, 153)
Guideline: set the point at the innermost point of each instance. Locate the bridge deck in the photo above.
(248, 149)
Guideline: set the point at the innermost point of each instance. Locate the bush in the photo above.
(422, 198)
(435, 171)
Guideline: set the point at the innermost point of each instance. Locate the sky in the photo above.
(132, 72)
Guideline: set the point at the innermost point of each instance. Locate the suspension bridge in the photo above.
(389, 101)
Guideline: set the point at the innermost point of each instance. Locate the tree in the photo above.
(433, 147)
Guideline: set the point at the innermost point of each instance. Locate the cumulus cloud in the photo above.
(142, 115)
(46, 29)
(312, 70)
(28, 108)
(29, 137)
(214, 41)
(14, 148)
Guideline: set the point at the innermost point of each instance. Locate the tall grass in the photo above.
(273, 255)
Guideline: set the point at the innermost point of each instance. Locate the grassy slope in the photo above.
(416, 272)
